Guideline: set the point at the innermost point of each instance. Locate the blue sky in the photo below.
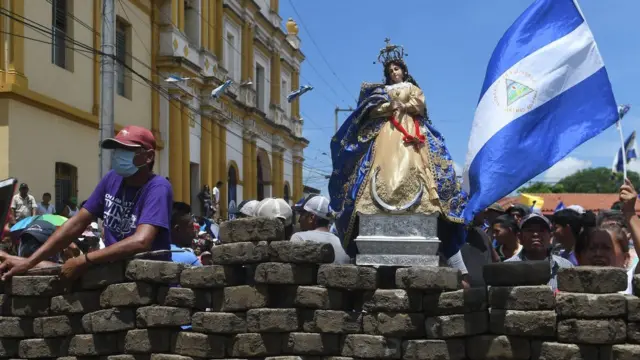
(449, 44)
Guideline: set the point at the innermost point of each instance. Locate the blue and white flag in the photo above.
(296, 94)
(623, 110)
(217, 92)
(631, 153)
(546, 91)
(559, 207)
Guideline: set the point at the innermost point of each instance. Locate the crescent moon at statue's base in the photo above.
(391, 208)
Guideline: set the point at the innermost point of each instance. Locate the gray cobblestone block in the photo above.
(533, 297)
(371, 347)
(316, 297)
(394, 324)
(146, 341)
(29, 306)
(559, 351)
(200, 345)
(41, 348)
(517, 273)
(127, 294)
(102, 275)
(455, 302)
(633, 307)
(592, 279)
(498, 347)
(301, 252)
(635, 283)
(57, 326)
(453, 349)
(240, 298)
(590, 306)
(160, 272)
(600, 332)
(633, 332)
(76, 303)
(4, 303)
(120, 357)
(272, 320)
(8, 348)
(219, 323)
(240, 253)
(213, 276)
(15, 327)
(184, 297)
(450, 326)
(45, 285)
(96, 344)
(429, 278)
(523, 323)
(332, 322)
(392, 300)
(169, 357)
(285, 274)
(162, 316)
(348, 277)
(109, 320)
(624, 352)
(252, 229)
(254, 345)
(311, 344)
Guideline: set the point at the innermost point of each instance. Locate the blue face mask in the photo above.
(122, 162)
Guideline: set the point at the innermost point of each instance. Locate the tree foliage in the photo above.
(590, 181)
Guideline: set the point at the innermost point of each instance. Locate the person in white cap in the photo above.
(277, 208)
(247, 209)
(315, 219)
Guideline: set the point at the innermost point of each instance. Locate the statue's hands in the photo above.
(397, 106)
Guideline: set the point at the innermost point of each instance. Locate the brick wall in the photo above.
(282, 301)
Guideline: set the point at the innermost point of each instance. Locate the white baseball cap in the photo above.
(275, 207)
(577, 208)
(248, 208)
(319, 206)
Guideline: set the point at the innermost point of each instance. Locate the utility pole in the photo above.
(337, 110)
(107, 90)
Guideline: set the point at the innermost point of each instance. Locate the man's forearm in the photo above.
(123, 249)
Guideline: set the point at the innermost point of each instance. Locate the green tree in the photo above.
(590, 181)
(540, 187)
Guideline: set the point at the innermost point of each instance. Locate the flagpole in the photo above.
(624, 155)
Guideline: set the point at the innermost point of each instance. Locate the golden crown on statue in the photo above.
(390, 53)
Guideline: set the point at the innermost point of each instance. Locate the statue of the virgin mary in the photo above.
(388, 157)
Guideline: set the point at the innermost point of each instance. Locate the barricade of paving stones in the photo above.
(279, 300)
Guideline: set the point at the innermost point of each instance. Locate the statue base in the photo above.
(398, 240)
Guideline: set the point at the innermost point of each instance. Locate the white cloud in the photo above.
(566, 167)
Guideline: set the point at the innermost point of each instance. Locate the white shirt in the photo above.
(216, 194)
(630, 272)
(324, 237)
(49, 209)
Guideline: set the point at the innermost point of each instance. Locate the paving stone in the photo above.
(517, 273)
(219, 323)
(429, 278)
(332, 322)
(241, 253)
(162, 316)
(453, 349)
(8, 347)
(558, 351)
(590, 306)
(371, 347)
(532, 297)
(102, 275)
(96, 344)
(600, 332)
(311, 344)
(394, 324)
(253, 345)
(285, 274)
(45, 285)
(200, 345)
(301, 252)
(57, 326)
(29, 306)
(109, 320)
(169, 357)
(15, 327)
(392, 300)
(240, 298)
(272, 320)
(76, 303)
(592, 279)
(633, 307)
(184, 297)
(252, 229)
(523, 323)
(348, 277)
(449, 326)
(316, 297)
(4, 304)
(455, 302)
(625, 352)
(40, 348)
(160, 272)
(213, 276)
(127, 294)
(119, 357)
(633, 332)
(498, 347)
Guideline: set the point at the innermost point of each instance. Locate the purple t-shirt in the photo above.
(122, 208)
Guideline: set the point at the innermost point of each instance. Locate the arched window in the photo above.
(66, 184)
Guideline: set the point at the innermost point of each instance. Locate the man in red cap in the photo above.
(134, 204)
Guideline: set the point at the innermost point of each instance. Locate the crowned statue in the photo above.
(392, 173)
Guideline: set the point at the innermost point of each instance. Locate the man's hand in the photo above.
(13, 265)
(73, 269)
(628, 196)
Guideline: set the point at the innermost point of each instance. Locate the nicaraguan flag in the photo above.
(559, 207)
(631, 153)
(546, 91)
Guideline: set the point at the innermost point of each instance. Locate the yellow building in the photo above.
(250, 138)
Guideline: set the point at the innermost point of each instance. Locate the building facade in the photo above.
(250, 138)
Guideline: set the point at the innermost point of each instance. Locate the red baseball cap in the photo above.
(131, 137)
